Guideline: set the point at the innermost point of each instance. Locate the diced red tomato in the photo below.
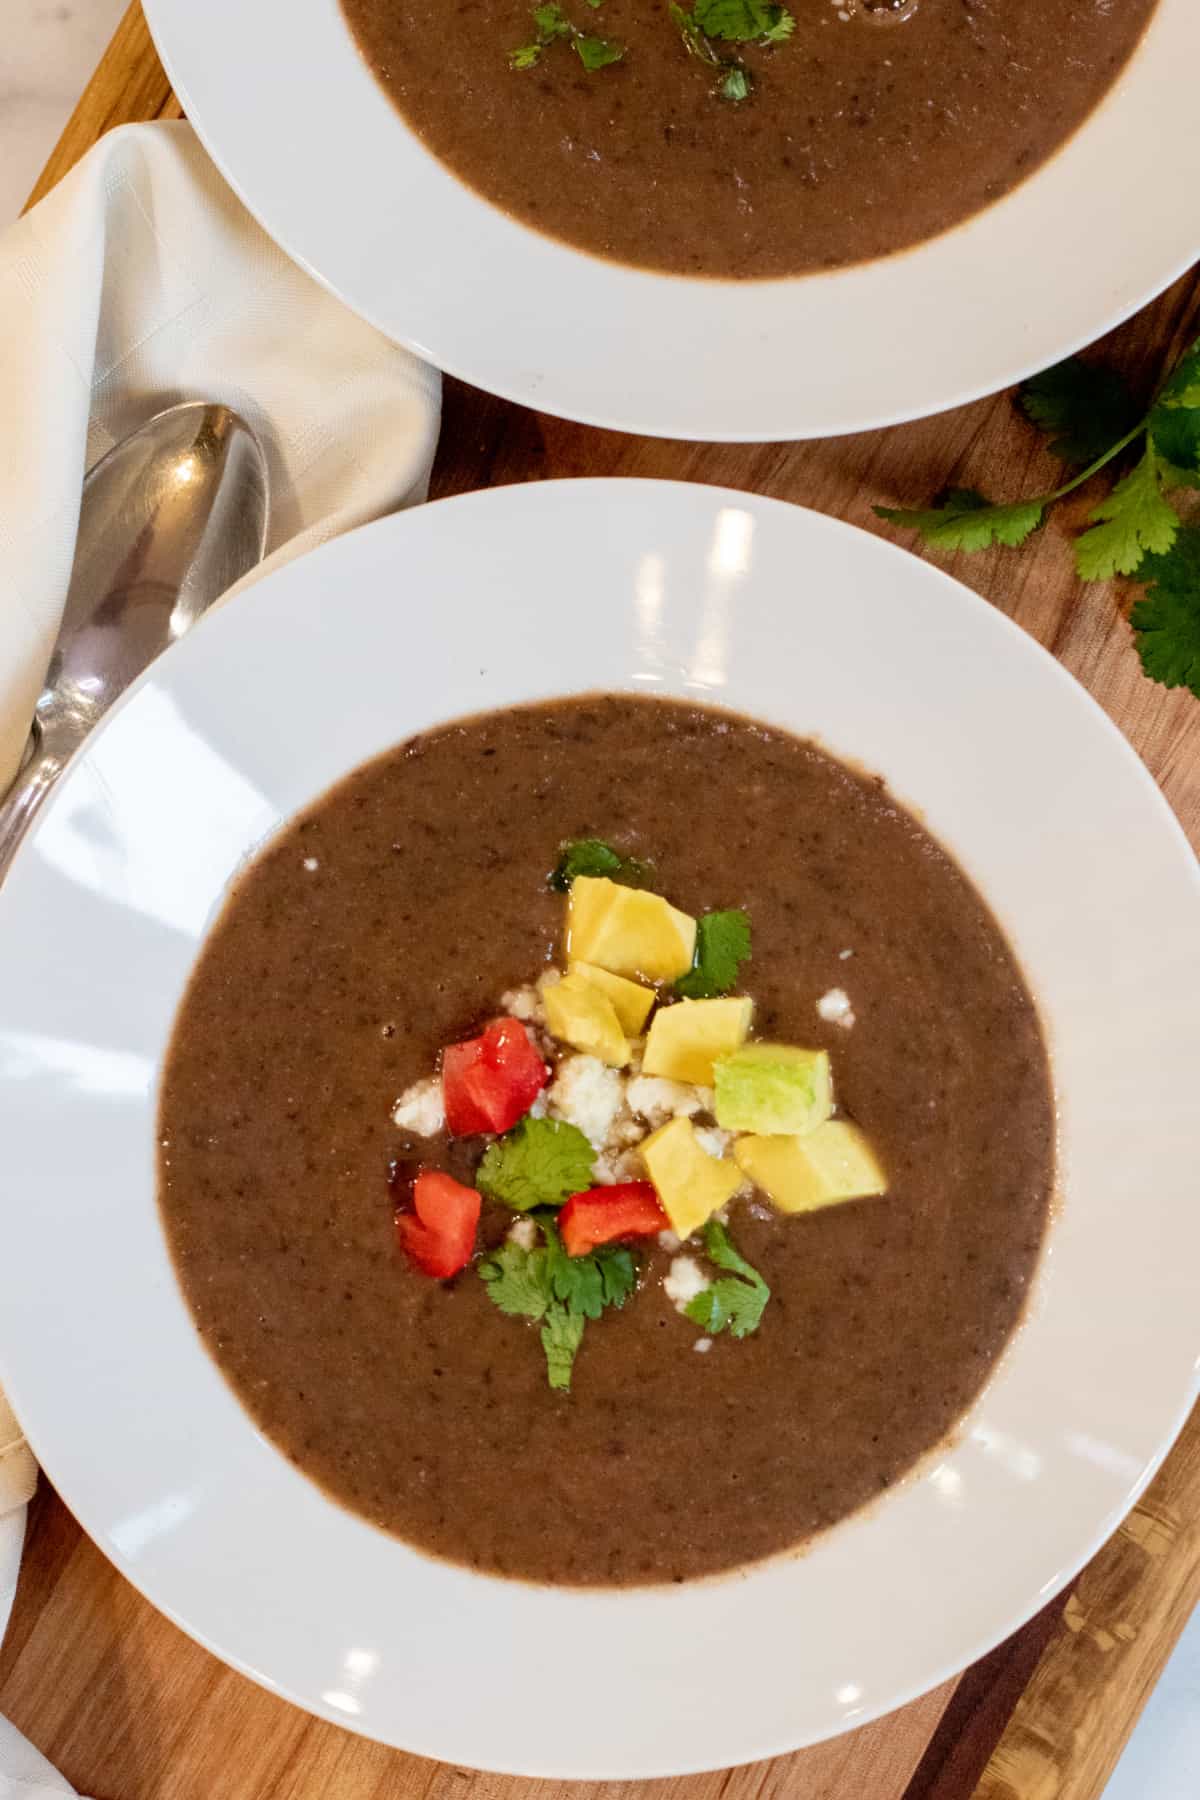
(605, 1214)
(491, 1081)
(439, 1235)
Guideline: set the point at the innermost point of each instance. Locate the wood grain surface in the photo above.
(130, 1709)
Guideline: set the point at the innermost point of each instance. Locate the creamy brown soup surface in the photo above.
(874, 125)
(384, 924)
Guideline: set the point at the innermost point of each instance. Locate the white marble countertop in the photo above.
(48, 50)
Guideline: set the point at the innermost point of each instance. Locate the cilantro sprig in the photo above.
(540, 1162)
(1091, 419)
(735, 1302)
(722, 946)
(592, 856)
(552, 23)
(732, 22)
(558, 1292)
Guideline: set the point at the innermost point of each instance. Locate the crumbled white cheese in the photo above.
(547, 979)
(612, 1166)
(683, 1281)
(712, 1139)
(835, 1008)
(670, 1240)
(523, 1232)
(587, 1093)
(523, 1003)
(656, 1099)
(311, 863)
(845, 955)
(420, 1108)
(702, 1346)
(538, 1109)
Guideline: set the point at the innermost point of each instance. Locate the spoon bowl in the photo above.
(169, 520)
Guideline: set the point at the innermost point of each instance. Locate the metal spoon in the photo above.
(170, 519)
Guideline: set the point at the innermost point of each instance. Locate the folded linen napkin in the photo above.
(141, 280)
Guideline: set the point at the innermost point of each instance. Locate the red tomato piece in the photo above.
(604, 1214)
(491, 1081)
(439, 1236)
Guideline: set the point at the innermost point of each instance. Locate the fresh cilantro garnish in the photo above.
(732, 22)
(592, 856)
(563, 1292)
(964, 520)
(734, 1302)
(597, 52)
(743, 21)
(1083, 407)
(1166, 622)
(517, 1280)
(1135, 530)
(561, 1334)
(551, 22)
(540, 1162)
(722, 945)
(1134, 519)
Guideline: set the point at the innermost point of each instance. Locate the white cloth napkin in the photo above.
(141, 280)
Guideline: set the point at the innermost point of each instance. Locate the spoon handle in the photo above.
(20, 805)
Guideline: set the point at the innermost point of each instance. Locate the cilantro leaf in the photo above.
(736, 85)
(741, 21)
(540, 1162)
(1175, 434)
(966, 520)
(1166, 622)
(1182, 387)
(592, 856)
(782, 29)
(561, 1337)
(734, 1302)
(517, 1280)
(1083, 407)
(587, 1284)
(722, 945)
(551, 22)
(597, 52)
(525, 56)
(693, 38)
(1132, 520)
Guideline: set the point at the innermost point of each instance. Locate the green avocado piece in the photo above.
(773, 1089)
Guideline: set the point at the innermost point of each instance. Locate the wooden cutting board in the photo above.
(130, 1709)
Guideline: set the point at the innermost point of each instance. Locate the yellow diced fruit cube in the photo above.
(686, 1038)
(689, 1182)
(631, 1001)
(628, 931)
(585, 1018)
(773, 1089)
(798, 1174)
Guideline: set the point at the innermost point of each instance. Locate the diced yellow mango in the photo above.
(690, 1183)
(686, 1038)
(774, 1089)
(628, 931)
(798, 1174)
(582, 1016)
(631, 1001)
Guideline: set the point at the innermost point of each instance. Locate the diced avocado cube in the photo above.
(690, 1183)
(798, 1174)
(686, 1039)
(773, 1088)
(631, 1001)
(627, 931)
(582, 1016)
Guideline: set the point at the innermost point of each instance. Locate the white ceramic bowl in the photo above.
(478, 602)
(293, 118)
